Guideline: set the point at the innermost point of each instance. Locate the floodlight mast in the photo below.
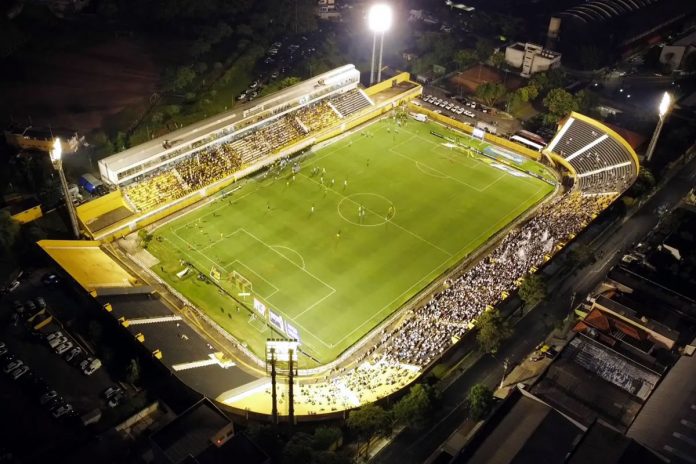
(379, 20)
(662, 111)
(56, 155)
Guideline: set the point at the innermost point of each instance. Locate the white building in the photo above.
(673, 55)
(531, 58)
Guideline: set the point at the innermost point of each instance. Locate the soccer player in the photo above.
(268, 207)
(338, 234)
(311, 211)
(391, 211)
(332, 182)
(345, 184)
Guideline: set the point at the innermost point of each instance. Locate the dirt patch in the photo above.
(471, 78)
(80, 90)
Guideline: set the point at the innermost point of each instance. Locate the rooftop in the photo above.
(667, 422)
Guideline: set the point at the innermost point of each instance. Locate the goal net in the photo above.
(242, 283)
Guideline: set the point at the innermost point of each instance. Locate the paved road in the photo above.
(410, 447)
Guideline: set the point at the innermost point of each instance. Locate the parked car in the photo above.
(30, 307)
(115, 399)
(90, 365)
(12, 365)
(48, 397)
(20, 371)
(106, 394)
(72, 354)
(12, 286)
(62, 410)
(64, 347)
(3, 349)
(53, 335)
(50, 279)
(57, 342)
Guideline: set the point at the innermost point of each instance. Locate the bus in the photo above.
(529, 140)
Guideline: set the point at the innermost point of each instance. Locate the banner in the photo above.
(291, 331)
(276, 320)
(260, 307)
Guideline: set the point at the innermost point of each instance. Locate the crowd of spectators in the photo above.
(427, 331)
(215, 162)
(431, 328)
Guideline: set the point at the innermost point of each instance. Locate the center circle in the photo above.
(366, 209)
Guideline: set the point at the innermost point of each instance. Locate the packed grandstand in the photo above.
(185, 163)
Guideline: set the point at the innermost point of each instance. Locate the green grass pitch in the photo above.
(328, 270)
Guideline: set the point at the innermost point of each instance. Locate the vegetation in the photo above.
(480, 401)
(559, 103)
(533, 290)
(414, 409)
(368, 422)
(493, 329)
(490, 92)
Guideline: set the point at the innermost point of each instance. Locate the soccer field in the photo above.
(336, 252)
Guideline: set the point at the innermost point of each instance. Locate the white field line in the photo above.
(347, 198)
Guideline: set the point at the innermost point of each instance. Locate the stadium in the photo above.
(367, 229)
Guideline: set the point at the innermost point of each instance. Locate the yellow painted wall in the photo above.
(388, 84)
(28, 215)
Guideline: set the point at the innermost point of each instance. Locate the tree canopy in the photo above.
(559, 103)
(493, 329)
(369, 421)
(414, 408)
(533, 290)
(490, 92)
(480, 400)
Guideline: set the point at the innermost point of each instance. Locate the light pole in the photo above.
(379, 19)
(665, 104)
(56, 154)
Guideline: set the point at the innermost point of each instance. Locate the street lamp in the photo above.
(663, 109)
(56, 154)
(379, 19)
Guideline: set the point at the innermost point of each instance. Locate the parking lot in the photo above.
(46, 379)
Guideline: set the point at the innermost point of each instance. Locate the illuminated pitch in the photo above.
(333, 250)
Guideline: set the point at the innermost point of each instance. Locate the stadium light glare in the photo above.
(662, 110)
(57, 152)
(379, 18)
(665, 104)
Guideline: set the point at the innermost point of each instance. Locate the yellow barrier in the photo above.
(388, 84)
(28, 215)
(87, 263)
(88, 212)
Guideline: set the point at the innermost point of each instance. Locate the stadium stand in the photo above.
(217, 161)
(350, 102)
(603, 164)
(221, 160)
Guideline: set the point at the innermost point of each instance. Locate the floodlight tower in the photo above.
(665, 105)
(56, 155)
(379, 19)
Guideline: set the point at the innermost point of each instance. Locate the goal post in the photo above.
(242, 283)
(215, 274)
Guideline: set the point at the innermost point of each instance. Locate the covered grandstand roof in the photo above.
(87, 264)
(199, 130)
(601, 160)
(603, 10)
